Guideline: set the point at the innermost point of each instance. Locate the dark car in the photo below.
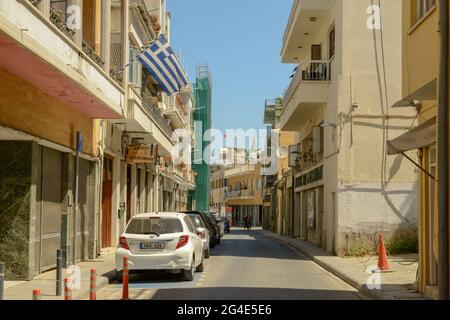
(215, 227)
(213, 233)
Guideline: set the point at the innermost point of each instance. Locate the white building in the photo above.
(347, 191)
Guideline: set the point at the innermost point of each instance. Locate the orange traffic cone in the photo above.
(383, 262)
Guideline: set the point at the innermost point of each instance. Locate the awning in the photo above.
(426, 93)
(419, 137)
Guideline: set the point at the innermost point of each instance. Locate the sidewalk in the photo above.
(396, 285)
(46, 282)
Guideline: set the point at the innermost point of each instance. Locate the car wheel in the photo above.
(200, 267)
(119, 276)
(189, 274)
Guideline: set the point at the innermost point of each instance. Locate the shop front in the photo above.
(309, 213)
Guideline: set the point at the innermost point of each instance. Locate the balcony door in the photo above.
(316, 52)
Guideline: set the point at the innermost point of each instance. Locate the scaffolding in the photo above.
(199, 198)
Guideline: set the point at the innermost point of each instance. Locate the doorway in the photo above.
(48, 209)
(107, 202)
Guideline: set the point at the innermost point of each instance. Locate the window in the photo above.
(332, 42)
(154, 225)
(135, 68)
(190, 225)
(423, 7)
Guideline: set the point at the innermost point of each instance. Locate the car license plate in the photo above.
(153, 245)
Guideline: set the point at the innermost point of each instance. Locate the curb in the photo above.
(374, 294)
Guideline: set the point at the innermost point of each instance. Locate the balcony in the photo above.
(306, 19)
(240, 170)
(240, 194)
(307, 92)
(175, 110)
(55, 64)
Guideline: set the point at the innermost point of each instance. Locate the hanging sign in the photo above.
(142, 154)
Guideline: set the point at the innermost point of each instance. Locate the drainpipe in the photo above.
(443, 265)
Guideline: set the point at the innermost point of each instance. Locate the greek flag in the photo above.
(162, 63)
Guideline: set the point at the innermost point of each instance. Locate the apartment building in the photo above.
(244, 193)
(421, 57)
(218, 188)
(347, 191)
(151, 118)
(277, 175)
(78, 114)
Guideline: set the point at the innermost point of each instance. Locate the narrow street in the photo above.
(246, 265)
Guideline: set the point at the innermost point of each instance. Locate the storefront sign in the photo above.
(142, 154)
(309, 178)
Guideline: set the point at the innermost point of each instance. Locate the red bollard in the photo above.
(125, 279)
(67, 290)
(36, 294)
(93, 288)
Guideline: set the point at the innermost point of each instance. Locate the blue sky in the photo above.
(241, 42)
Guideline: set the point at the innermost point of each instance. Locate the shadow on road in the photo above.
(233, 293)
(253, 244)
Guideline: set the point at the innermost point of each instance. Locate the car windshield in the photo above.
(197, 221)
(156, 225)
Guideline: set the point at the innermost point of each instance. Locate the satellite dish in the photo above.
(283, 152)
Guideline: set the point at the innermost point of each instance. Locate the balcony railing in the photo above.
(308, 70)
(58, 19)
(36, 3)
(238, 194)
(92, 54)
(157, 116)
(116, 62)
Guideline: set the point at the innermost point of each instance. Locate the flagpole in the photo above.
(135, 58)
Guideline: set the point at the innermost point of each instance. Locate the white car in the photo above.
(161, 241)
(203, 231)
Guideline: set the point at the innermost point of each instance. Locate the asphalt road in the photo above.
(246, 265)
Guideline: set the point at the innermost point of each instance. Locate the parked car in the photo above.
(220, 223)
(203, 231)
(161, 241)
(226, 223)
(216, 228)
(209, 226)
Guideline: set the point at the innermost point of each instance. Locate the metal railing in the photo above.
(157, 116)
(116, 62)
(91, 53)
(35, 3)
(308, 70)
(58, 19)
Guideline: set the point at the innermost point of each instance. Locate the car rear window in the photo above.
(157, 225)
(197, 221)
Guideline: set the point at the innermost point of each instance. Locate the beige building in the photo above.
(348, 74)
(75, 85)
(421, 75)
(244, 193)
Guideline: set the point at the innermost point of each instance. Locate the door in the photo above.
(316, 52)
(48, 209)
(107, 203)
(316, 69)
